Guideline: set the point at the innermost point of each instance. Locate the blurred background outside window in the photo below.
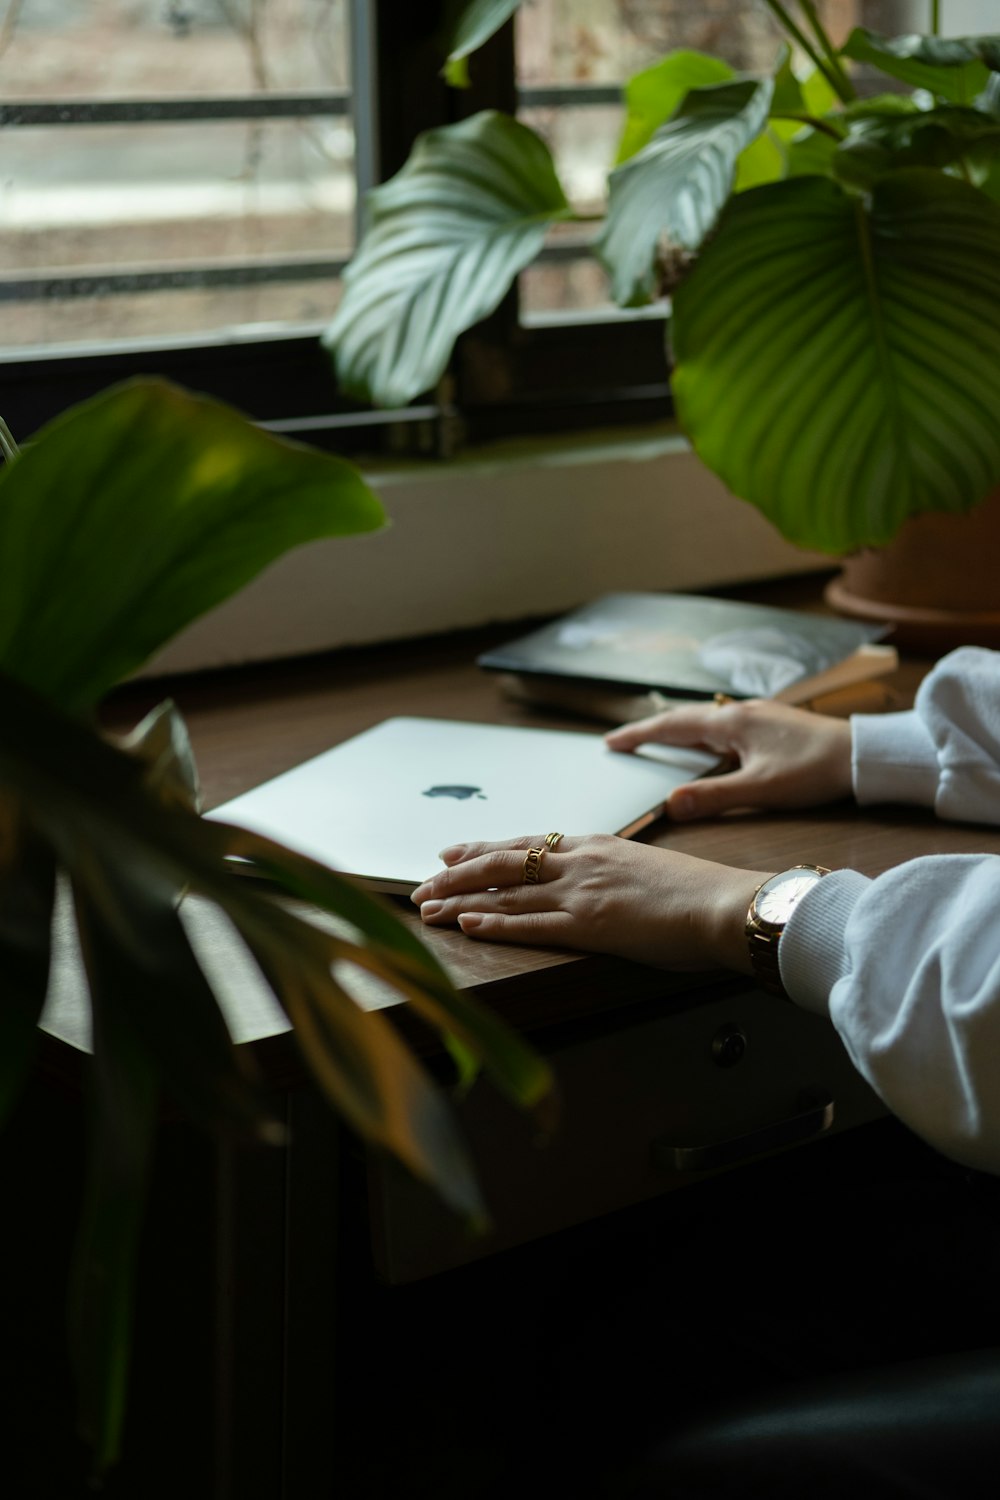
(171, 168)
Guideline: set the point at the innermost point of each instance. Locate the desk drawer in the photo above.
(645, 1108)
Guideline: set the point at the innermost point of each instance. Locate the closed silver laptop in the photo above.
(383, 804)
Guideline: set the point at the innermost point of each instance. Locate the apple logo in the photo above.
(462, 793)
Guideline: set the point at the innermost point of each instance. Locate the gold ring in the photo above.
(552, 839)
(532, 865)
(721, 699)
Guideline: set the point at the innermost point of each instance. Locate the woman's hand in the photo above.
(600, 893)
(785, 757)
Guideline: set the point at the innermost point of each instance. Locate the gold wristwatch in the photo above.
(772, 905)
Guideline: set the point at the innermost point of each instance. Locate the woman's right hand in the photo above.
(783, 756)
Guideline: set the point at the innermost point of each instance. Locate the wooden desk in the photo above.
(256, 1234)
(248, 725)
(629, 1038)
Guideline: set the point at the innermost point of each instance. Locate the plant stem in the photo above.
(804, 119)
(8, 447)
(785, 20)
(827, 47)
(935, 17)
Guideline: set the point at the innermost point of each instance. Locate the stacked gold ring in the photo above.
(532, 866)
(552, 839)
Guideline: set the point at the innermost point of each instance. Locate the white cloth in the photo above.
(907, 966)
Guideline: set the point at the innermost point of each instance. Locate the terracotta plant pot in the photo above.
(937, 583)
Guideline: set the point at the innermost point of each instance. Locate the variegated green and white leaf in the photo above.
(676, 185)
(445, 239)
(838, 360)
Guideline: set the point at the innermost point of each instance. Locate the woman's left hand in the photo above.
(598, 893)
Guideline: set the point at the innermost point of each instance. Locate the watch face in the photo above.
(779, 896)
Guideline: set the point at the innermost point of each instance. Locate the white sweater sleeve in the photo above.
(908, 966)
(945, 753)
(908, 969)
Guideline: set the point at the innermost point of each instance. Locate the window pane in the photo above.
(142, 222)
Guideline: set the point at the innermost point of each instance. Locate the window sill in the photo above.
(519, 529)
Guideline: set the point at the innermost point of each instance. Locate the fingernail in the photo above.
(470, 920)
(452, 855)
(430, 908)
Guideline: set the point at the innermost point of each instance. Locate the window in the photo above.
(179, 182)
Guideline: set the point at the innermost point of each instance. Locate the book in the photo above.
(627, 655)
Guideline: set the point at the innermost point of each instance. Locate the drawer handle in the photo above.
(814, 1115)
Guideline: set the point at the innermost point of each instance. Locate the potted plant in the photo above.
(833, 264)
(124, 520)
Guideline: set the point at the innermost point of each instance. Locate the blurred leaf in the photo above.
(162, 742)
(27, 893)
(777, 152)
(817, 376)
(880, 142)
(954, 68)
(395, 955)
(136, 512)
(357, 1057)
(990, 183)
(142, 971)
(478, 22)
(445, 239)
(653, 95)
(86, 796)
(989, 100)
(677, 184)
(817, 95)
(123, 1105)
(810, 153)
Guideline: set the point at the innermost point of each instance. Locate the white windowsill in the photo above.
(524, 528)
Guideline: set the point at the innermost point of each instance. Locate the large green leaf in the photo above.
(445, 239)
(653, 95)
(954, 68)
(477, 23)
(838, 362)
(136, 512)
(676, 185)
